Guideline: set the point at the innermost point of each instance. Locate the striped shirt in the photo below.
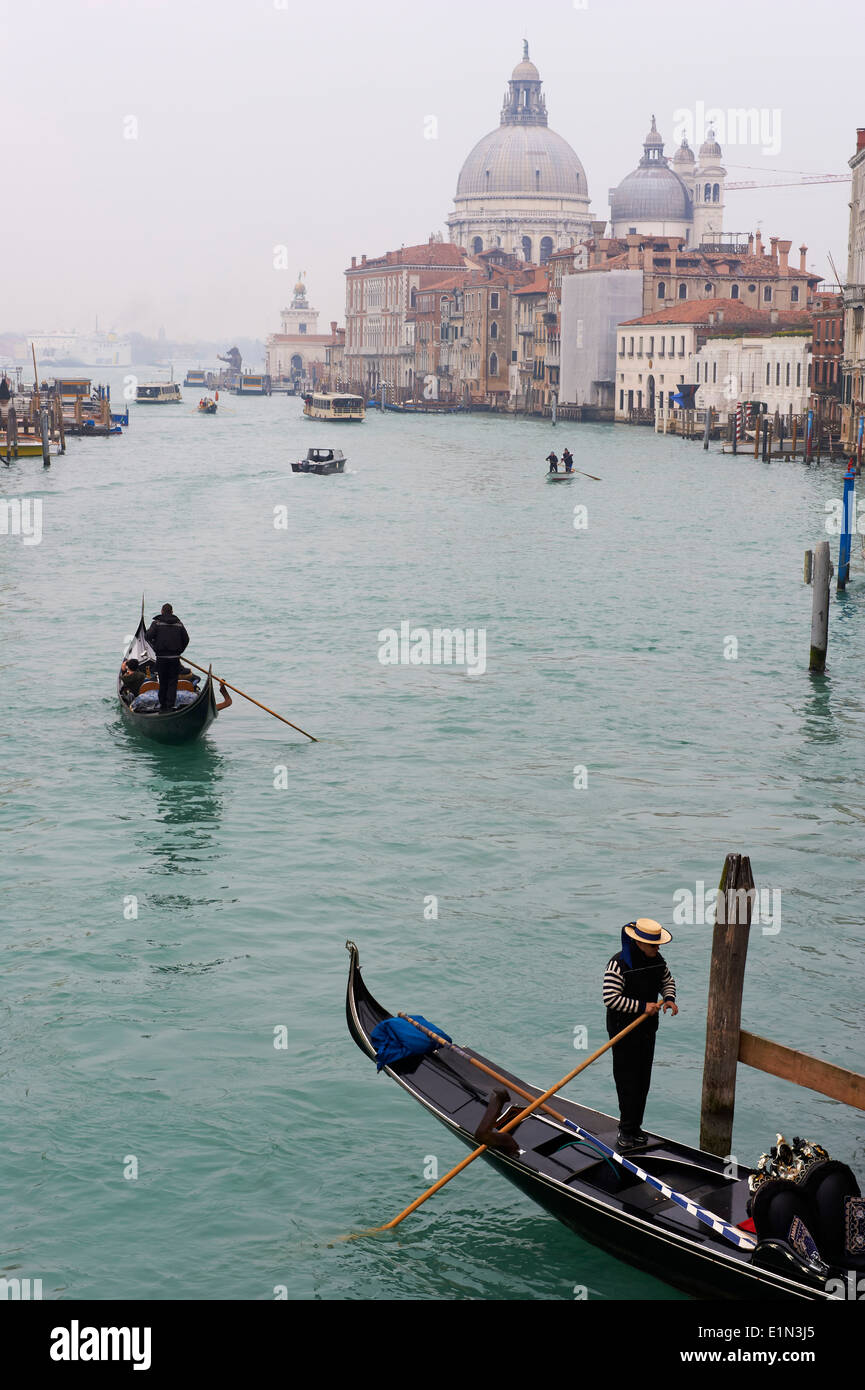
(615, 998)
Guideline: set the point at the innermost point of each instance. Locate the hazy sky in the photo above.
(261, 124)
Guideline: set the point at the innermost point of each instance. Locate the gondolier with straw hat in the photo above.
(634, 979)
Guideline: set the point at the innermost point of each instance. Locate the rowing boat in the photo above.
(597, 1198)
(180, 725)
(559, 477)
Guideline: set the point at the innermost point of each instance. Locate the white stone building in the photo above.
(292, 352)
(772, 369)
(522, 187)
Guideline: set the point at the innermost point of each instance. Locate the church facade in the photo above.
(682, 197)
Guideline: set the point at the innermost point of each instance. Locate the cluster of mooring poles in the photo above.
(819, 571)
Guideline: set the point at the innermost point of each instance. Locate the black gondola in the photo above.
(180, 725)
(597, 1199)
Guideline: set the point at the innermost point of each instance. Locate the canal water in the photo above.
(185, 1115)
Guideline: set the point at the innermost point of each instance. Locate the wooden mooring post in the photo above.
(727, 1043)
(821, 575)
(724, 1015)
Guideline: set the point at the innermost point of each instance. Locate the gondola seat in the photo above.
(837, 1213)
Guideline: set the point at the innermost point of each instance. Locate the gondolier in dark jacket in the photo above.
(168, 638)
(635, 978)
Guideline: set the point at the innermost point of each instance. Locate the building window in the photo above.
(683, 290)
(798, 373)
(794, 294)
(768, 370)
(494, 299)
(546, 249)
(714, 371)
(787, 375)
(477, 245)
(494, 330)
(494, 364)
(662, 290)
(707, 193)
(672, 345)
(651, 347)
(640, 346)
(777, 373)
(734, 292)
(621, 400)
(513, 354)
(622, 348)
(527, 247)
(708, 287)
(698, 373)
(661, 349)
(751, 289)
(630, 347)
(682, 346)
(767, 293)
(716, 193)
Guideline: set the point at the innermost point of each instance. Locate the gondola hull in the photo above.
(599, 1202)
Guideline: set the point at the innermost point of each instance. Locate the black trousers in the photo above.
(167, 669)
(632, 1068)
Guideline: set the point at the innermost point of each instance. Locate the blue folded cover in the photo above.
(395, 1039)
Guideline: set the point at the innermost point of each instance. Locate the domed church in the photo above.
(684, 198)
(522, 188)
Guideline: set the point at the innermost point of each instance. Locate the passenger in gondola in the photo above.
(132, 677)
(168, 638)
(568, 460)
(553, 461)
(634, 979)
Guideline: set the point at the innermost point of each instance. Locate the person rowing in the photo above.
(553, 460)
(168, 638)
(568, 460)
(633, 980)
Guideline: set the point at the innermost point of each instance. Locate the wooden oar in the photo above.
(266, 708)
(708, 1218)
(518, 1119)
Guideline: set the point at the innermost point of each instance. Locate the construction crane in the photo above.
(806, 180)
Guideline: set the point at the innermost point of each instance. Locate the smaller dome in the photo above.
(684, 154)
(525, 71)
(654, 137)
(710, 149)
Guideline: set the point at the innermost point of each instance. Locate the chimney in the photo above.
(750, 243)
(354, 262)
(783, 253)
(758, 245)
(773, 242)
(363, 260)
(803, 251)
(860, 139)
(633, 251)
(333, 328)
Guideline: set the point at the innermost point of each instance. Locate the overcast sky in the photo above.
(260, 124)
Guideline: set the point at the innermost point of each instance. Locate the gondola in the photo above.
(167, 726)
(594, 1196)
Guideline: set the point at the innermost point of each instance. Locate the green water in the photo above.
(151, 1037)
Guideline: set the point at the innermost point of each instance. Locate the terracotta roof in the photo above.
(539, 284)
(735, 314)
(435, 253)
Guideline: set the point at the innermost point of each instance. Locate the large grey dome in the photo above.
(523, 159)
(652, 194)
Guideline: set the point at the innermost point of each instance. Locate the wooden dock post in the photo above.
(820, 608)
(46, 438)
(724, 1015)
(793, 446)
(707, 428)
(809, 564)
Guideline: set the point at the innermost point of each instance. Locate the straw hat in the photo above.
(647, 932)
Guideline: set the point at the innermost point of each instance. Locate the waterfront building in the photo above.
(522, 188)
(592, 308)
(854, 302)
(827, 355)
(730, 351)
(297, 353)
(380, 293)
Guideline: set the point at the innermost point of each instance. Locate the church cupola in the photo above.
(524, 101)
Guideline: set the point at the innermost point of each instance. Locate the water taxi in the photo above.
(333, 405)
(323, 461)
(158, 393)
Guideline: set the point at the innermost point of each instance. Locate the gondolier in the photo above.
(168, 638)
(633, 980)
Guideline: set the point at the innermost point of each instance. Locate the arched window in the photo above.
(716, 193)
(794, 294)
(734, 292)
(767, 293)
(494, 364)
(662, 290)
(527, 247)
(494, 330)
(707, 193)
(683, 290)
(708, 288)
(777, 373)
(546, 249)
(477, 245)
